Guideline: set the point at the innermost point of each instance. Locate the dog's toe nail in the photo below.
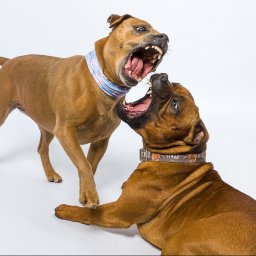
(58, 180)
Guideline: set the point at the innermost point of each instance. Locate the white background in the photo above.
(212, 52)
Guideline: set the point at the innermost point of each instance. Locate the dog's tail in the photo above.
(3, 60)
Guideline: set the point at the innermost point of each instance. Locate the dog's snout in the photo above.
(163, 36)
(154, 76)
(164, 77)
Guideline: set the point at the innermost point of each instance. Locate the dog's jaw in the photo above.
(139, 63)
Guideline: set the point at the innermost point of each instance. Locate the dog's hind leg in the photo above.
(6, 94)
(43, 150)
(6, 105)
(4, 112)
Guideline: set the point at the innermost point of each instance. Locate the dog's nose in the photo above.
(163, 37)
(164, 77)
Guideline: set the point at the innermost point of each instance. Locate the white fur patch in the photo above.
(0, 66)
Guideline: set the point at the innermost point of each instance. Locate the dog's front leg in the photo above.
(107, 215)
(132, 207)
(69, 141)
(96, 151)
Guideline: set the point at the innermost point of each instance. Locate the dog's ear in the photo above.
(200, 138)
(114, 19)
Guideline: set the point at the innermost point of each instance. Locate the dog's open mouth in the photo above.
(138, 108)
(143, 61)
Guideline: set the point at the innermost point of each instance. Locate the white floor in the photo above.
(28, 225)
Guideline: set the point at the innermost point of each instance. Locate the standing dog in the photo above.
(176, 198)
(75, 99)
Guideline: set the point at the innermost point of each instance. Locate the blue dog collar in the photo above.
(105, 85)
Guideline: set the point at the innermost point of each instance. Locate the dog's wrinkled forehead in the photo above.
(181, 90)
(114, 19)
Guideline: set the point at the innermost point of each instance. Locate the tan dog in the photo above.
(178, 200)
(64, 99)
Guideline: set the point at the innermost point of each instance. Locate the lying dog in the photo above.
(176, 198)
(75, 99)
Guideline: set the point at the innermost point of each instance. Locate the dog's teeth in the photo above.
(159, 56)
(153, 61)
(147, 47)
(159, 50)
(130, 73)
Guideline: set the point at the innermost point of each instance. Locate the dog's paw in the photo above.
(61, 211)
(73, 213)
(54, 177)
(90, 200)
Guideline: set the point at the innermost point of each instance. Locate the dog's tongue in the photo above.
(147, 68)
(137, 68)
(143, 106)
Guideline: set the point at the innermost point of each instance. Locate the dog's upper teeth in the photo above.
(147, 47)
(159, 50)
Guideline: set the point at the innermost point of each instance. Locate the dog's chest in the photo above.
(98, 127)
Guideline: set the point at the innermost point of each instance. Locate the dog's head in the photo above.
(167, 118)
(132, 50)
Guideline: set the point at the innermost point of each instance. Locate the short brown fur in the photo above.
(182, 208)
(62, 97)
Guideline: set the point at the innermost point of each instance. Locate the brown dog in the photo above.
(178, 200)
(75, 99)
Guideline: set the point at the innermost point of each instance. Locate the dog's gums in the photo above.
(143, 61)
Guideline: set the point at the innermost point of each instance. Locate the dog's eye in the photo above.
(141, 29)
(175, 104)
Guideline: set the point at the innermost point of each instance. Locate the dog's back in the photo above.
(201, 214)
(3, 60)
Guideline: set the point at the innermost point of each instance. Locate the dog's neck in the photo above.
(146, 156)
(105, 85)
